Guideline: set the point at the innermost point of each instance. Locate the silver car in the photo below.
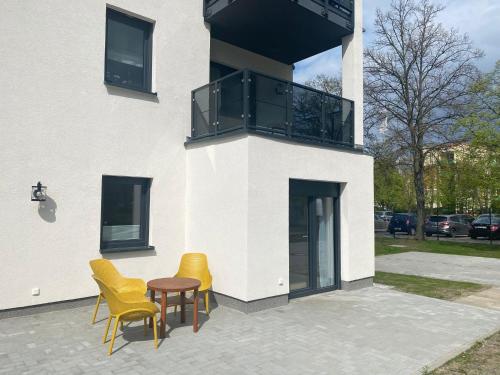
(380, 224)
(385, 215)
(448, 225)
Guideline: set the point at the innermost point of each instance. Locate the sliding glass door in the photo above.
(313, 238)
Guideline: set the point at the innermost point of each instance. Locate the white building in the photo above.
(99, 102)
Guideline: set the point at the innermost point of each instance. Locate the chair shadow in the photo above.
(133, 333)
(100, 320)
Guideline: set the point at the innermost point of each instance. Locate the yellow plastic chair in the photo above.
(195, 266)
(105, 271)
(127, 309)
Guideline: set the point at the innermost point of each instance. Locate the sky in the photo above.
(480, 19)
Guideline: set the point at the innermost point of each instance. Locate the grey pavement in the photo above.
(442, 266)
(370, 331)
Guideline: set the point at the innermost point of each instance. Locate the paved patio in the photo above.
(370, 331)
(441, 266)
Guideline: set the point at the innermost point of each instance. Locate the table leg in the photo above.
(163, 314)
(183, 307)
(152, 295)
(195, 311)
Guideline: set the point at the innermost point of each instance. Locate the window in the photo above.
(124, 213)
(128, 51)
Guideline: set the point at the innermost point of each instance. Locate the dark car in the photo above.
(406, 223)
(481, 227)
(448, 225)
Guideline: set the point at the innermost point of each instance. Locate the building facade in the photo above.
(108, 105)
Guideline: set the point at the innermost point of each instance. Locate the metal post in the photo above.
(437, 222)
(246, 98)
(216, 119)
(491, 239)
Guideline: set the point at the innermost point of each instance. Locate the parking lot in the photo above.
(458, 239)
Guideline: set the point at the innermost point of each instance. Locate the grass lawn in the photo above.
(431, 245)
(429, 287)
(482, 358)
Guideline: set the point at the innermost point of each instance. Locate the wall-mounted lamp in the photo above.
(38, 192)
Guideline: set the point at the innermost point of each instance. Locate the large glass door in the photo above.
(313, 249)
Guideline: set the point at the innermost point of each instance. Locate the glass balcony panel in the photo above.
(230, 103)
(204, 111)
(272, 106)
(347, 122)
(268, 104)
(306, 113)
(333, 119)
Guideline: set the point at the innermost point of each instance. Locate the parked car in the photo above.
(403, 222)
(380, 224)
(481, 227)
(385, 215)
(448, 225)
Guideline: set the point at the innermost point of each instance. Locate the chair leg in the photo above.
(145, 326)
(107, 330)
(207, 303)
(96, 308)
(115, 328)
(155, 333)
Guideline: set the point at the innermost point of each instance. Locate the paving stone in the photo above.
(370, 331)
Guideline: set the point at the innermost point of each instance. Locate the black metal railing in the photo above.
(344, 8)
(254, 102)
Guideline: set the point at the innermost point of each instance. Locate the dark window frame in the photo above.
(129, 245)
(147, 47)
(313, 190)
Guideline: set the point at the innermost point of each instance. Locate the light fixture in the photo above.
(38, 192)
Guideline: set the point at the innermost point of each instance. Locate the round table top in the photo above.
(174, 284)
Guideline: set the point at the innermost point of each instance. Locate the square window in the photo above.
(124, 213)
(128, 51)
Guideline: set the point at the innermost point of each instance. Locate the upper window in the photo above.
(124, 213)
(128, 51)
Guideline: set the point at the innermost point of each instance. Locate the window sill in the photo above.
(113, 84)
(125, 249)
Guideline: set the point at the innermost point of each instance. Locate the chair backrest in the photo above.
(195, 265)
(104, 270)
(116, 306)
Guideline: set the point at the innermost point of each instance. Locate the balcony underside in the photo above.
(284, 30)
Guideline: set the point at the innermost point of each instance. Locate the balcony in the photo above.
(251, 102)
(284, 30)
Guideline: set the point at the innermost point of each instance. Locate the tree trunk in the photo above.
(418, 178)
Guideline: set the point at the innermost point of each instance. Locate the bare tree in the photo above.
(330, 84)
(417, 75)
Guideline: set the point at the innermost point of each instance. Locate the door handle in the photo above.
(305, 236)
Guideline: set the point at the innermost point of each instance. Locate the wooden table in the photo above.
(175, 284)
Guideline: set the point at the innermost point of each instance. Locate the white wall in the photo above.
(238, 212)
(352, 70)
(271, 165)
(61, 125)
(238, 58)
(217, 211)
